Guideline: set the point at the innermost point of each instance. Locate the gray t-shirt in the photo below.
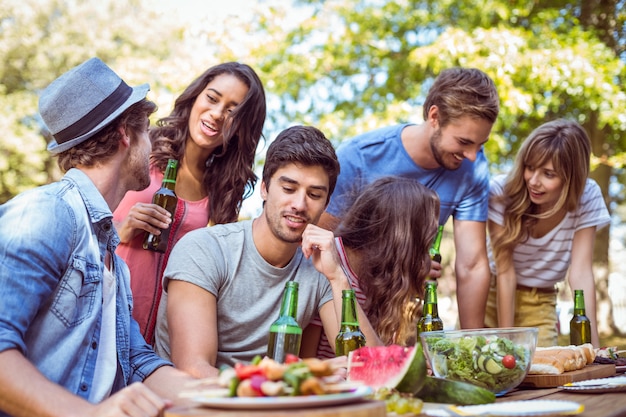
(224, 261)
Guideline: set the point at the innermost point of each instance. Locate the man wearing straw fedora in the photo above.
(68, 343)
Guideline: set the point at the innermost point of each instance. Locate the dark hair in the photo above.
(390, 227)
(302, 145)
(105, 143)
(229, 177)
(460, 92)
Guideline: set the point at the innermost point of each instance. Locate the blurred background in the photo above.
(345, 66)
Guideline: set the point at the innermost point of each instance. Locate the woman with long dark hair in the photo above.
(213, 131)
(384, 240)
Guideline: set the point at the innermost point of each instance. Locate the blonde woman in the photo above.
(542, 223)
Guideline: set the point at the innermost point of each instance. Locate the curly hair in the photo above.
(105, 143)
(229, 177)
(460, 92)
(566, 144)
(390, 228)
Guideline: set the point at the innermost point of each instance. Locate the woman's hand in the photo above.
(143, 217)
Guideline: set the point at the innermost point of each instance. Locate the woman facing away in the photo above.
(543, 218)
(384, 239)
(213, 131)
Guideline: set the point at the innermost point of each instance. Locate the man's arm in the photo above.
(27, 393)
(168, 382)
(506, 284)
(472, 272)
(192, 326)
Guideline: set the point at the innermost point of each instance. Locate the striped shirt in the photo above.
(543, 262)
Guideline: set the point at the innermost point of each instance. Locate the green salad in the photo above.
(494, 363)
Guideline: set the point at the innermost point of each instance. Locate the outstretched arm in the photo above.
(506, 284)
(472, 272)
(27, 393)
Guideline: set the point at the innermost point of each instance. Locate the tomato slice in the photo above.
(246, 371)
(291, 358)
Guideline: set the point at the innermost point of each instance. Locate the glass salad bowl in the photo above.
(497, 359)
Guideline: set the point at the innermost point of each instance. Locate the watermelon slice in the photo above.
(402, 368)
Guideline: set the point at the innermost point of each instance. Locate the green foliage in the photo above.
(41, 40)
(367, 62)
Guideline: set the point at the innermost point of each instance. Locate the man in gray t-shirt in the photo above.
(223, 285)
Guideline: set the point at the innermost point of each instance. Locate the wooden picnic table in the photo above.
(595, 405)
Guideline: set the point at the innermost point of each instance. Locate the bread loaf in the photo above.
(555, 360)
(590, 352)
(545, 364)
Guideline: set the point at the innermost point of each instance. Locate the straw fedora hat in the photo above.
(81, 102)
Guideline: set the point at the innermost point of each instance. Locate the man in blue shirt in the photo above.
(445, 153)
(68, 343)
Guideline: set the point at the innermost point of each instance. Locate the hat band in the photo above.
(97, 115)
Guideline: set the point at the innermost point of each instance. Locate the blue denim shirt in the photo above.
(53, 240)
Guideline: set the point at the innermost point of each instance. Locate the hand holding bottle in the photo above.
(164, 197)
(435, 255)
(141, 218)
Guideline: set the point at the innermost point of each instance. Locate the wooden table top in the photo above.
(596, 405)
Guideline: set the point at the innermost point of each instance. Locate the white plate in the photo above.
(269, 403)
(521, 408)
(600, 385)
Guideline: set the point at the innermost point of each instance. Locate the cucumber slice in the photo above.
(481, 362)
(492, 367)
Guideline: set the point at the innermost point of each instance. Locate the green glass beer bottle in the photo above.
(350, 336)
(430, 320)
(579, 325)
(285, 332)
(435, 255)
(166, 198)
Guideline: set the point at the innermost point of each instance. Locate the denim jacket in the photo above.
(53, 241)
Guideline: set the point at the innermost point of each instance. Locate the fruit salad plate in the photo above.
(276, 403)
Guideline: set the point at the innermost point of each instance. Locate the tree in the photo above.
(350, 66)
(43, 39)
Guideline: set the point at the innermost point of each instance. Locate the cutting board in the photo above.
(592, 371)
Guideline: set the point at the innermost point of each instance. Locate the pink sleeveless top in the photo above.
(146, 267)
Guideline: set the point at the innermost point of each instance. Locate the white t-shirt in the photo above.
(106, 363)
(543, 262)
